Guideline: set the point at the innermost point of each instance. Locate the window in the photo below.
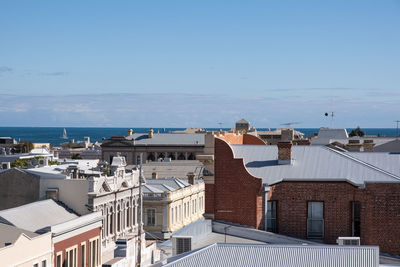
(151, 217)
(36, 265)
(134, 214)
(59, 259)
(94, 252)
(44, 263)
(271, 216)
(315, 220)
(83, 254)
(176, 213)
(71, 257)
(356, 218)
(118, 219)
(128, 216)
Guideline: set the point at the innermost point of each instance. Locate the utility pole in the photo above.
(140, 211)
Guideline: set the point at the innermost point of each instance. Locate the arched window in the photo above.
(191, 157)
(171, 156)
(161, 155)
(151, 157)
(181, 156)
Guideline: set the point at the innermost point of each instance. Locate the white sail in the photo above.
(64, 136)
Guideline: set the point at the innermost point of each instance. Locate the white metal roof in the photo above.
(389, 162)
(36, 215)
(192, 139)
(309, 163)
(232, 255)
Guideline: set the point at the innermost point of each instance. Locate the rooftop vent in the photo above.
(181, 244)
(348, 241)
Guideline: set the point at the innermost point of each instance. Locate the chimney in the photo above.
(354, 145)
(285, 152)
(368, 145)
(154, 175)
(191, 178)
(151, 133)
(130, 132)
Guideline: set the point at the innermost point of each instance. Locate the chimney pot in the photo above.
(130, 132)
(191, 178)
(151, 133)
(154, 175)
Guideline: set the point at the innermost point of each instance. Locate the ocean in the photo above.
(53, 135)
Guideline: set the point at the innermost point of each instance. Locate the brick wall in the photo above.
(243, 139)
(380, 211)
(237, 197)
(237, 194)
(209, 201)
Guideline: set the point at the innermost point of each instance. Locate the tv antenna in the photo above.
(332, 114)
(220, 124)
(288, 124)
(397, 122)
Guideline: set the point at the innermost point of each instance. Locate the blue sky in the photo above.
(197, 63)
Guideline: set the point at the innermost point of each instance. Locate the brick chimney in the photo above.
(285, 152)
(191, 178)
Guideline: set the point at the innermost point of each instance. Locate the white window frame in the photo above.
(85, 256)
(60, 253)
(74, 249)
(96, 242)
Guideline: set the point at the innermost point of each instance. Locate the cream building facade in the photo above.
(24, 248)
(170, 204)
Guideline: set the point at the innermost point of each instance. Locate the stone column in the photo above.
(165, 218)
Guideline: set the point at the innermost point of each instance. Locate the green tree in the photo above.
(357, 132)
(24, 147)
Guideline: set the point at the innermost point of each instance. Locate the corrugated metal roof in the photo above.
(36, 215)
(277, 255)
(385, 161)
(151, 189)
(392, 146)
(175, 168)
(168, 139)
(309, 163)
(167, 184)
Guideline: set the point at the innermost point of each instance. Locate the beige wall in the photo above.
(192, 197)
(26, 251)
(73, 192)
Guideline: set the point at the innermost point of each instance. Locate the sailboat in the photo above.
(64, 136)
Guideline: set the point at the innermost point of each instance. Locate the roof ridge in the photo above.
(363, 163)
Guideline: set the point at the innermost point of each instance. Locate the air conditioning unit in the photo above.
(5, 165)
(181, 244)
(348, 241)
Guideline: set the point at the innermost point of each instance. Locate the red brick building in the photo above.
(77, 242)
(306, 192)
